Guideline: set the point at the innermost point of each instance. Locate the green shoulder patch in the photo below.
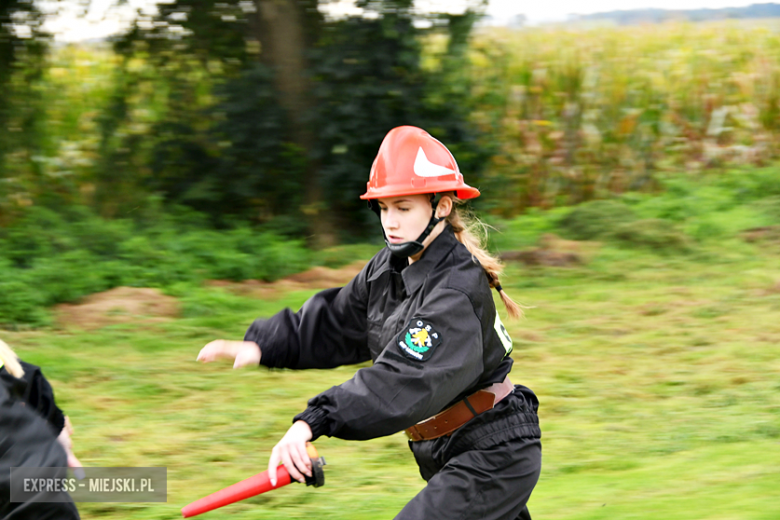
(418, 340)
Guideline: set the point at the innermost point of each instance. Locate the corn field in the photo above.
(580, 113)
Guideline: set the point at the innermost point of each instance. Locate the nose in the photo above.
(389, 219)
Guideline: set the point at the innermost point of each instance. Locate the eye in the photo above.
(382, 208)
(403, 209)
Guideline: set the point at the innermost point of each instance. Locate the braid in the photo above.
(472, 233)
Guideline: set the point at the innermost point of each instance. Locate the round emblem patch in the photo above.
(418, 340)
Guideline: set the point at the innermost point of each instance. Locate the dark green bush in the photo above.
(67, 277)
(655, 234)
(48, 257)
(595, 219)
(748, 184)
(39, 233)
(20, 301)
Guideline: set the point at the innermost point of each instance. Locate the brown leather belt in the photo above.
(446, 422)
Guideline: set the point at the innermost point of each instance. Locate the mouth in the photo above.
(394, 239)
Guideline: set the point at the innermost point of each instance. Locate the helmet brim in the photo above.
(462, 191)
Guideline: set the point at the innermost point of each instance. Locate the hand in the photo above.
(243, 352)
(291, 450)
(67, 443)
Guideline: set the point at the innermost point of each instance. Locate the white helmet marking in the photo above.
(425, 168)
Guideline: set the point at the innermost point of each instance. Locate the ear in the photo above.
(444, 207)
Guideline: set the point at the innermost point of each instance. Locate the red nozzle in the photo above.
(256, 485)
(250, 487)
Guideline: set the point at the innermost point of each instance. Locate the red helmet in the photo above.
(411, 162)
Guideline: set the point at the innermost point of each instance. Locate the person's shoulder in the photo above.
(29, 368)
(465, 273)
(31, 373)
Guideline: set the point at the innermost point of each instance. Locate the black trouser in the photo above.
(486, 470)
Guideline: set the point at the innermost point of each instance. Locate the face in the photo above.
(404, 218)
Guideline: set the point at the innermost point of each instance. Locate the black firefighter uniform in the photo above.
(433, 334)
(30, 422)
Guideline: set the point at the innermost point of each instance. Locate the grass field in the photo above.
(657, 374)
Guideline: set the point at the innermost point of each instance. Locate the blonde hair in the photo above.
(10, 361)
(472, 233)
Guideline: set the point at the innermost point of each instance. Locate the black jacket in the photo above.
(35, 391)
(29, 425)
(430, 328)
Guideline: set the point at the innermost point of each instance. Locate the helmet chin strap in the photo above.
(407, 249)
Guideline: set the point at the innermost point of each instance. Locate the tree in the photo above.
(22, 47)
(299, 105)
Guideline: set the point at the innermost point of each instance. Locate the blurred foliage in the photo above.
(52, 256)
(195, 104)
(231, 140)
(22, 64)
(48, 257)
(580, 113)
(595, 219)
(186, 110)
(189, 106)
(691, 212)
(655, 234)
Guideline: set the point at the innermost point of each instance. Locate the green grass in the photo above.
(657, 377)
(659, 390)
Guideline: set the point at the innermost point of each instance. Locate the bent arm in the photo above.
(401, 389)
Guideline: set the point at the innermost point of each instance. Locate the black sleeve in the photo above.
(398, 390)
(328, 331)
(39, 396)
(26, 441)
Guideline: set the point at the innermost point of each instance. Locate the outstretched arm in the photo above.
(328, 331)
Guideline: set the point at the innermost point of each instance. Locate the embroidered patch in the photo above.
(419, 340)
(503, 335)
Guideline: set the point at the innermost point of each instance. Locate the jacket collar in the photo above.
(414, 275)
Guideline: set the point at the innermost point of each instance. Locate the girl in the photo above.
(422, 310)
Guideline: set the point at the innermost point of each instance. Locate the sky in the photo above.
(105, 19)
(559, 10)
